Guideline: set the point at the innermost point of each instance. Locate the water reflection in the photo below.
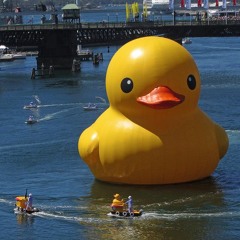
(63, 83)
(23, 219)
(182, 211)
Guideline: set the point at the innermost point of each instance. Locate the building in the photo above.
(71, 13)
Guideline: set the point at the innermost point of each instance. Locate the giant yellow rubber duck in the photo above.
(153, 131)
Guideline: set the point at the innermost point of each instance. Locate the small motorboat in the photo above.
(125, 214)
(20, 206)
(90, 107)
(186, 40)
(31, 106)
(31, 120)
(19, 55)
(6, 57)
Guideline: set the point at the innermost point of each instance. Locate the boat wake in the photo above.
(145, 216)
(222, 48)
(77, 219)
(60, 105)
(80, 104)
(184, 215)
(102, 99)
(16, 146)
(54, 115)
(234, 136)
(5, 201)
(184, 200)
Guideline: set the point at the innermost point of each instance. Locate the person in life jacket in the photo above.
(117, 203)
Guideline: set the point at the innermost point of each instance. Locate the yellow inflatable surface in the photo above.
(153, 131)
(21, 201)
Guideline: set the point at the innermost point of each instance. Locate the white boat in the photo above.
(90, 107)
(31, 106)
(19, 55)
(186, 40)
(84, 54)
(6, 57)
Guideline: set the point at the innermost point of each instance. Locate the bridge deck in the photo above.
(110, 33)
(57, 43)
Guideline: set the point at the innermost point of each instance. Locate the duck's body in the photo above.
(138, 140)
(150, 157)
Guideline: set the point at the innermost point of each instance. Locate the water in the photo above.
(44, 158)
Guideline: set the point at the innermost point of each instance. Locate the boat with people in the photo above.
(121, 209)
(23, 205)
(90, 107)
(31, 120)
(31, 105)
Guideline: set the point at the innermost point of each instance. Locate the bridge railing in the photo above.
(21, 27)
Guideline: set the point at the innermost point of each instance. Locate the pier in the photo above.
(57, 43)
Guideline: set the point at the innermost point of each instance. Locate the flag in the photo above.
(171, 4)
(205, 4)
(145, 13)
(182, 4)
(188, 4)
(134, 11)
(127, 12)
(224, 4)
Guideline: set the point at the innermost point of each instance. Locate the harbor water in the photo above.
(44, 159)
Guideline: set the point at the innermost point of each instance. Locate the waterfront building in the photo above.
(71, 13)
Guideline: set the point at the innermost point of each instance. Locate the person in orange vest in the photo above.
(117, 203)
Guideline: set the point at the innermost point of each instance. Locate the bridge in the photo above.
(57, 43)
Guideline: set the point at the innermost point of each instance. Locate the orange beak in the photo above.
(161, 98)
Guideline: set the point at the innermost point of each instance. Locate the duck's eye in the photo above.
(191, 81)
(127, 85)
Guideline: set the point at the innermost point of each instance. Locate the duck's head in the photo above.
(152, 76)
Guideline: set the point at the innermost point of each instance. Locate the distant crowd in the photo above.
(11, 20)
(225, 17)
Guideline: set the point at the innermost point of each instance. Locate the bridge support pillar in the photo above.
(58, 49)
